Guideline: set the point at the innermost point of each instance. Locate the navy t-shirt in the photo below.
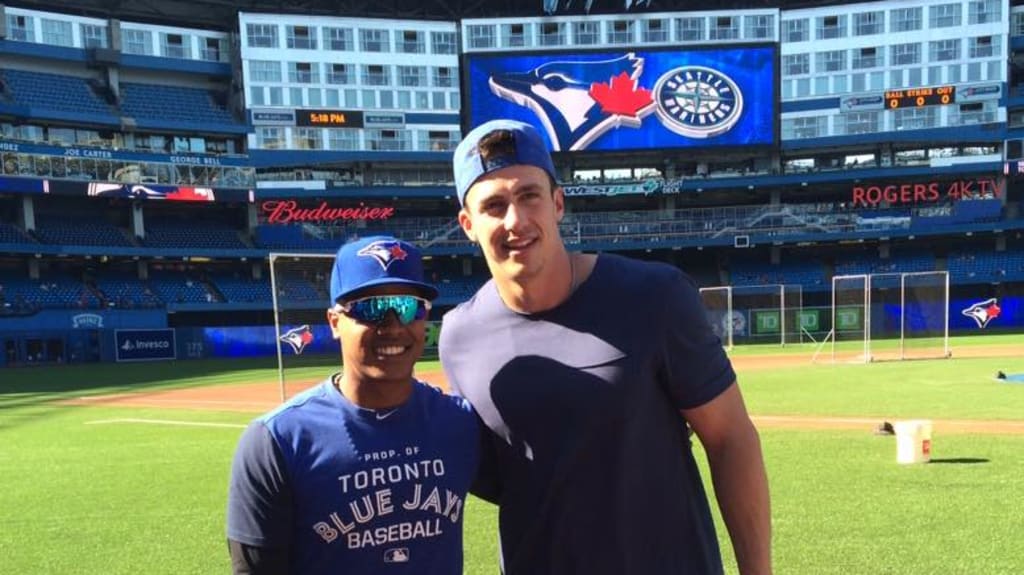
(588, 454)
(353, 490)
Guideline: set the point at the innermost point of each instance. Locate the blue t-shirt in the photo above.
(353, 490)
(589, 457)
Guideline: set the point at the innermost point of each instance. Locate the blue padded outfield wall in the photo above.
(142, 335)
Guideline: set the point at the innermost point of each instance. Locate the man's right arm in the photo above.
(259, 506)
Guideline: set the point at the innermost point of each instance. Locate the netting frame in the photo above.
(867, 356)
(272, 257)
(783, 308)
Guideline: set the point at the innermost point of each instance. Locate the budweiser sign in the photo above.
(289, 211)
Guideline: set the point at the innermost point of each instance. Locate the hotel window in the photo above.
(341, 139)
(868, 23)
(552, 34)
(339, 74)
(655, 31)
(760, 27)
(94, 36)
(443, 42)
(214, 49)
(1017, 24)
(174, 46)
(374, 40)
(513, 35)
(944, 15)
(905, 19)
(983, 47)
(256, 96)
(338, 39)
(376, 75)
(725, 28)
(861, 58)
(830, 27)
(943, 50)
(137, 42)
(304, 72)
(861, 122)
(904, 54)
(690, 29)
(412, 76)
(915, 118)
(796, 64)
(20, 28)
(300, 38)
(264, 71)
(832, 61)
(796, 30)
(308, 138)
(412, 42)
(586, 33)
(481, 36)
(983, 11)
(261, 35)
(57, 33)
(270, 138)
(444, 77)
(620, 32)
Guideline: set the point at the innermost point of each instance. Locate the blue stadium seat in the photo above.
(172, 103)
(55, 92)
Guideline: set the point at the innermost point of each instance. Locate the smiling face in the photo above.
(379, 357)
(513, 214)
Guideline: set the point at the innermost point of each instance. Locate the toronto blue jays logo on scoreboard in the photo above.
(633, 99)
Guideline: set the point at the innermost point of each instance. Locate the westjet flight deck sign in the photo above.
(144, 344)
(631, 99)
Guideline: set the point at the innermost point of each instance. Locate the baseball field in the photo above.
(111, 469)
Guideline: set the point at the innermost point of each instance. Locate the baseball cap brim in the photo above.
(428, 291)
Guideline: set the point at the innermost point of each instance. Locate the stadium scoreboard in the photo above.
(918, 97)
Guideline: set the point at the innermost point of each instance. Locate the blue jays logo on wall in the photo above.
(631, 100)
(983, 312)
(385, 252)
(298, 338)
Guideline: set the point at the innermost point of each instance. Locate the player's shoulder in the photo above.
(309, 400)
(469, 312)
(437, 400)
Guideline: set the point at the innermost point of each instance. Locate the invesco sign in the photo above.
(144, 344)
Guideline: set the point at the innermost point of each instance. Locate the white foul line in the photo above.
(168, 422)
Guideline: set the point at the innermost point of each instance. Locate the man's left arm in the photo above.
(737, 470)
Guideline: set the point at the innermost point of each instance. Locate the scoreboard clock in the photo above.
(329, 118)
(918, 97)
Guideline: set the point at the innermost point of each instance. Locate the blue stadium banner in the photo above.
(144, 344)
(631, 99)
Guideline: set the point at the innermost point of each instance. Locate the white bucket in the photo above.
(913, 441)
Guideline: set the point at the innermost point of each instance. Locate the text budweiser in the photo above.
(288, 211)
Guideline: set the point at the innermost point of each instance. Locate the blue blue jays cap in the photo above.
(530, 150)
(374, 261)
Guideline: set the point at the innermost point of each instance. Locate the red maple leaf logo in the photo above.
(397, 252)
(621, 97)
(993, 311)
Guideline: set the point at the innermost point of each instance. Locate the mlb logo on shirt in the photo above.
(397, 555)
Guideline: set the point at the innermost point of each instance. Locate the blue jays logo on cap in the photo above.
(385, 252)
(298, 338)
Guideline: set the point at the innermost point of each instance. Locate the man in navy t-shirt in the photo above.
(367, 472)
(588, 372)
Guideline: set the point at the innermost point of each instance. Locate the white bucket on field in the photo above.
(913, 441)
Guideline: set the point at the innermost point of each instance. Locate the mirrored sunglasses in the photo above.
(373, 309)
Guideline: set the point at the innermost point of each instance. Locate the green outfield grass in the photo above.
(108, 498)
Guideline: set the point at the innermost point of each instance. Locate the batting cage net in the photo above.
(762, 314)
(306, 350)
(890, 316)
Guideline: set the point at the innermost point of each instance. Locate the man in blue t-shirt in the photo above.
(588, 372)
(368, 471)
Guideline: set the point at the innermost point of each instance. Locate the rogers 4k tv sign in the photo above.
(630, 99)
(144, 344)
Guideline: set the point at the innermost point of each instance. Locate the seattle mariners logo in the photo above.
(385, 252)
(983, 312)
(577, 102)
(698, 102)
(298, 338)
